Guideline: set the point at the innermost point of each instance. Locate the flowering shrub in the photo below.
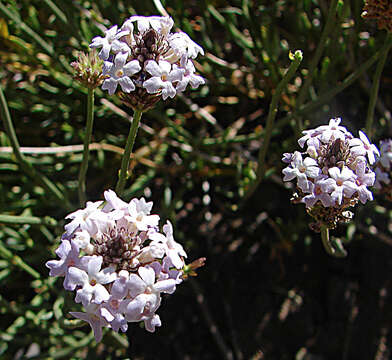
(383, 168)
(147, 61)
(332, 174)
(114, 256)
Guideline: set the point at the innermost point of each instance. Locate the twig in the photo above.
(86, 150)
(226, 352)
(41, 179)
(273, 110)
(376, 86)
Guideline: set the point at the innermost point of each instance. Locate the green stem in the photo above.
(127, 152)
(328, 95)
(32, 220)
(273, 110)
(334, 247)
(376, 85)
(303, 93)
(86, 152)
(23, 163)
(17, 261)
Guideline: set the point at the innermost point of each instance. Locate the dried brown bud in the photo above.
(190, 269)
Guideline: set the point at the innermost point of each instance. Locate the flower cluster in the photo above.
(146, 61)
(333, 172)
(383, 168)
(114, 256)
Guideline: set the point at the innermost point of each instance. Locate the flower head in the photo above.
(147, 60)
(332, 173)
(118, 262)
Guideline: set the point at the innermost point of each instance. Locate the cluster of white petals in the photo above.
(334, 168)
(383, 167)
(144, 54)
(118, 262)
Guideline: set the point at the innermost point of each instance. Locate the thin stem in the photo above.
(25, 165)
(303, 93)
(86, 152)
(128, 151)
(273, 110)
(17, 261)
(32, 220)
(376, 86)
(333, 247)
(328, 95)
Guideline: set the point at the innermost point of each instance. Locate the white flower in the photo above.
(120, 73)
(85, 219)
(106, 43)
(182, 44)
(189, 77)
(161, 24)
(163, 77)
(333, 130)
(301, 169)
(139, 214)
(146, 293)
(81, 239)
(113, 201)
(363, 147)
(341, 182)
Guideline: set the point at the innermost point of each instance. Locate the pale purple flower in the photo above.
(318, 193)
(106, 42)
(386, 153)
(381, 176)
(94, 317)
(363, 180)
(362, 147)
(174, 250)
(189, 76)
(301, 169)
(68, 252)
(120, 73)
(311, 138)
(92, 281)
(144, 282)
(119, 288)
(163, 78)
(287, 158)
(151, 322)
(166, 270)
(112, 311)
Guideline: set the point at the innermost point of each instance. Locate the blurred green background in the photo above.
(268, 290)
